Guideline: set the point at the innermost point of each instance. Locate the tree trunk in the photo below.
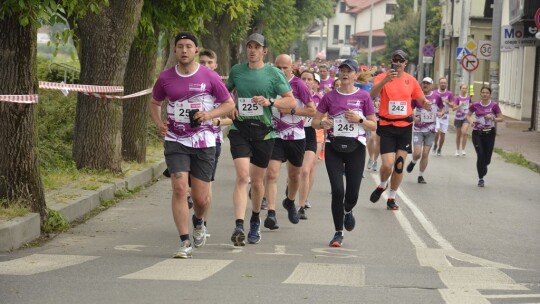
(139, 76)
(219, 30)
(20, 180)
(105, 41)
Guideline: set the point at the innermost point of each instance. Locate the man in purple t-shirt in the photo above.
(446, 97)
(192, 91)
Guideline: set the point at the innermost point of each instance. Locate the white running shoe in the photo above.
(185, 251)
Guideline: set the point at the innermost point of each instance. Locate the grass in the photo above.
(14, 211)
(518, 159)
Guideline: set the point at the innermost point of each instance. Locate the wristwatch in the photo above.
(293, 111)
(361, 120)
(271, 101)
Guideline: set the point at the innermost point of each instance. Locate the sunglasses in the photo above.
(400, 60)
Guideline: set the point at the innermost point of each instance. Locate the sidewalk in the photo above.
(514, 136)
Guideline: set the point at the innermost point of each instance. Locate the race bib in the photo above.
(307, 122)
(347, 129)
(397, 108)
(426, 116)
(181, 110)
(246, 107)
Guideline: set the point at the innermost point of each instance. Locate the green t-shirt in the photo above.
(267, 81)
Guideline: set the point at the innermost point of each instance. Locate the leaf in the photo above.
(248, 275)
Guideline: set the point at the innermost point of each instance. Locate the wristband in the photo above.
(218, 122)
(271, 102)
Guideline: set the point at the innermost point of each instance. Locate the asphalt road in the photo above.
(451, 242)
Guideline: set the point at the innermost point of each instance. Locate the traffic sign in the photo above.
(427, 59)
(484, 50)
(471, 45)
(461, 52)
(428, 50)
(470, 62)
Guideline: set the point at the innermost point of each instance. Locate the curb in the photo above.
(21, 230)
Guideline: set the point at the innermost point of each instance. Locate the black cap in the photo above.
(401, 54)
(186, 35)
(351, 64)
(257, 38)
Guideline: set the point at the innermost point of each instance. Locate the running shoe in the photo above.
(307, 205)
(302, 213)
(264, 204)
(434, 149)
(238, 237)
(199, 236)
(391, 204)
(481, 183)
(190, 202)
(421, 180)
(375, 166)
(254, 234)
(376, 194)
(410, 167)
(337, 240)
(369, 165)
(463, 153)
(457, 153)
(439, 152)
(185, 251)
(291, 210)
(271, 222)
(349, 222)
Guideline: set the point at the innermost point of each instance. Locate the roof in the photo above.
(357, 6)
(375, 33)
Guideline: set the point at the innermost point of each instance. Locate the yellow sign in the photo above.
(471, 45)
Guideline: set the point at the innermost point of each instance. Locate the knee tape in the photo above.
(397, 167)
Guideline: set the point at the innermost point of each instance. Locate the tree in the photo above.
(20, 179)
(105, 40)
(403, 30)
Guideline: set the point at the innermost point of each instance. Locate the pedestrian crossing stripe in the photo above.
(38, 263)
(352, 275)
(179, 270)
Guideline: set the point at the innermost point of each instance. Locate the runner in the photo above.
(327, 82)
(461, 106)
(442, 118)
(424, 129)
(252, 136)
(208, 58)
(192, 91)
(396, 89)
(314, 140)
(486, 113)
(289, 147)
(350, 113)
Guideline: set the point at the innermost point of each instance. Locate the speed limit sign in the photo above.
(484, 50)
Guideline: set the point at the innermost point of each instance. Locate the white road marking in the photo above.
(129, 247)
(352, 275)
(462, 282)
(279, 250)
(38, 263)
(179, 270)
(334, 253)
(510, 296)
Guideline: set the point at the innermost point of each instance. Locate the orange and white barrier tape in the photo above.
(105, 96)
(80, 87)
(19, 98)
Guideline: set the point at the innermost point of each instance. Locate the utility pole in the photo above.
(321, 24)
(462, 74)
(495, 49)
(370, 40)
(422, 41)
(415, 6)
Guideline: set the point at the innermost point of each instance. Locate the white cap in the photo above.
(428, 79)
(317, 77)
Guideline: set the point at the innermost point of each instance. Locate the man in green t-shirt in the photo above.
(252, 137)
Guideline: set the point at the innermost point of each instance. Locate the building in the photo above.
(464, 21)
(347, 32)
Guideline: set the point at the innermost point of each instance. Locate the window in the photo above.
(342, 7)
(336, 34)
(390, 8)
(347, 33)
